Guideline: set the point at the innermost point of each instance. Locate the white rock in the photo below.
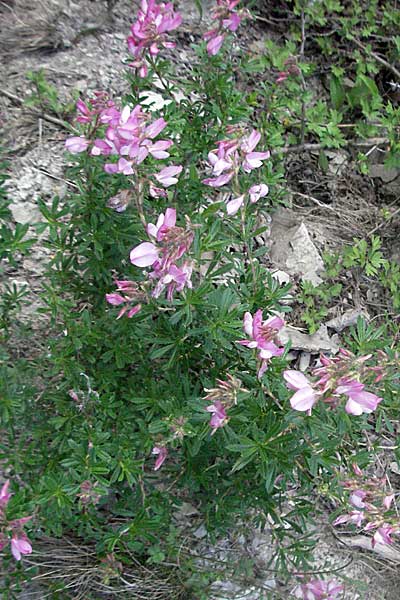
(292, 249)
(25, 212)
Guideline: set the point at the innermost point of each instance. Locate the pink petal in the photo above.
(219, 181)
(144, 255)
(115, 299)
(155, 128)
(76, 144)
(214, 45)
(233, 206)
(248, 323)
(295, 380)
(303, 399)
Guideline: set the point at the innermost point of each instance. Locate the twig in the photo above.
(36, 111)
(377, 58)
(312, 147)
(44, 172)
(375, 229)
(315, 200)
(303, 82)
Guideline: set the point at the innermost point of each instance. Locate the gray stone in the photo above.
(293, 251)
(314, 343)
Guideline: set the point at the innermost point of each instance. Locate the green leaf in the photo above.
(337, 92)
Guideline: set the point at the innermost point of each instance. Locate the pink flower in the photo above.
(282, 76)
(115, 299)
(130, 136)
(305, 396)
(128, 293)
(76, 144)
(264, 337)
(356, 517)
(149, 31)
(5, 495)
(219, 181)
(234, 205)
(161, 452)
(172, 242)
(228, 20)
(144, 255)
(361, 402)
(357, 498)
(20, 545)
(382, 535)
(319, 589)
(234, 154)
(254, 160)
(387, 501)
(167, 176)
(214, 45)
(174, 279)
(219, 416)
(156, 192)
(164, 223)
(258, 191)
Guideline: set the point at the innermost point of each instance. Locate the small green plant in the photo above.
(367, 256)
(45, 96)
(316, 301)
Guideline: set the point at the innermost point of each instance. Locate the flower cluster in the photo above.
(228, 20)
(319, 589)
(336, 377)
(229, 158)
(291, 69)
(370, 507)
(88, 493)
(263, 336)
(131, 137)
(150, 30)
(129, 296)
(164, 254)
(161, 452)
(222, 397)
(89, 113)
(178, 429)
(20, 543)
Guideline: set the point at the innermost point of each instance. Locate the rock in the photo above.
(338, 161)
(200, 532)
(281, 276)
(387, 175)
(185, 510)
(389, 553)
(347, 319)
(25, 212)
(293, 251)
(304, 361)
(314, 343)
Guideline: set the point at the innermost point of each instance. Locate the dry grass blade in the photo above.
(75, 570)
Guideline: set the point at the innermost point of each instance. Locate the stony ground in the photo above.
(79, 45)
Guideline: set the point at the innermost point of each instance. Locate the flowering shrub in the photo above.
(143, 412)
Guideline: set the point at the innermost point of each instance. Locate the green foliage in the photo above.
(13, 244)
(45, 96)
(366, 256)
(316, 301)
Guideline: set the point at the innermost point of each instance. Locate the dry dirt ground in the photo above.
(80, 45)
